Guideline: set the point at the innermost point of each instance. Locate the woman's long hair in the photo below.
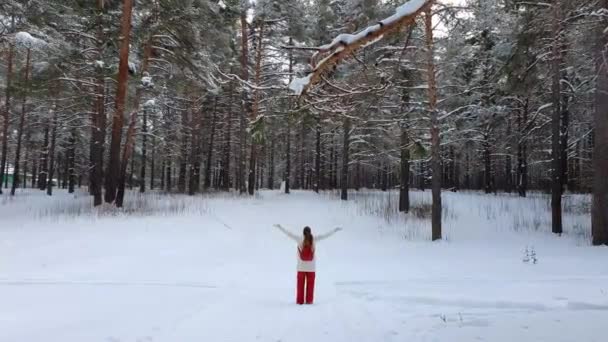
(308, 238)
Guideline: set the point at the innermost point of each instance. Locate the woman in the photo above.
(306, 261)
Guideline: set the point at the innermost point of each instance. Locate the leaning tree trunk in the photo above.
(556, 174)
(21, 123)
(131, 130)
(435, 139)
(6, 115)
(345, 159)
(404, 188)
(114, 168)
(599, 215)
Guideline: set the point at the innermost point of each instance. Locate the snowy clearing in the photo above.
(213, 269)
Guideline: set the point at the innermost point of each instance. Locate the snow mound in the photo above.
(25, 39)
(299, 84)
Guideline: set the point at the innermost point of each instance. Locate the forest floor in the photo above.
(212, 268)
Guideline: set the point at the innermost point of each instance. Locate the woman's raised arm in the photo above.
(321, 237)
(287, 232)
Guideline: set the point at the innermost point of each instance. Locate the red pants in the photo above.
(308, 279)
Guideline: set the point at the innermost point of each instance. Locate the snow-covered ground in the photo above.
(213, 269)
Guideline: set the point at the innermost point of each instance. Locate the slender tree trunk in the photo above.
(44, 164)
(54, 124)
(168, 176)
(98, 118)
(288, 157)
(288, 134)
(196, 123)
(487, 158)
(34, 173)
(404, 188)
(253, 158)
(599, 215)
(345, 159)
(564, 136)
(163, 169)
(144, 140)
(114, 167)
(522, 160)
(246, 104)
(271, 162)
(27, 155)
(153, 157)
(318, 155)
(228, 144)
(183, 159)
(210, 147)
(72, 162)
(21, 123)
(508, 162)
(6, 116)
(435, 139)
(556, 181)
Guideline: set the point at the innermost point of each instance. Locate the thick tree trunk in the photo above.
(345, 158)
(556, 164)
(404, 187)
(6, 116)
(435, 138)
(599, 215)
(21, 123)
(114, 167)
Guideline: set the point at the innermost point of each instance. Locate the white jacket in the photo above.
(306, 266)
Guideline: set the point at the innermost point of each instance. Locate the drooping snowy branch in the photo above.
(346, 44)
